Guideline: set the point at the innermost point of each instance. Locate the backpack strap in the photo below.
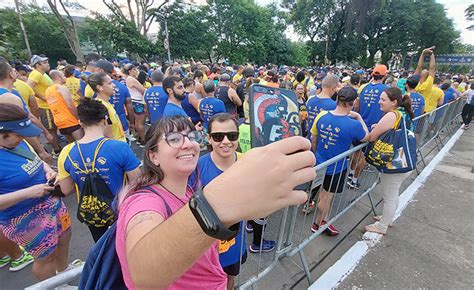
(85, 170)
(397, 121)
(97, 152)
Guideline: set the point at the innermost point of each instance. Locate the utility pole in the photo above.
(22, 27)
(166, 41)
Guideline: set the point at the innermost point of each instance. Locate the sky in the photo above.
(455, 10)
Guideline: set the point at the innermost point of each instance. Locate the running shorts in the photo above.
(39, 229)
(69, 130)
(335, 183)
(46, 118)
(138, 108)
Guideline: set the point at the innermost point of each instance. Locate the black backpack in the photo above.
(95, 200)
(102, 270)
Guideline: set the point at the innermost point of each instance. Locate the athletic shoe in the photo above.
(308, 207)
(248, 228)
(314, 228)
(22, 262)
(369, 169)
(350, 176)
(331, 231)
(5, 261)
(74, 264)
(266, 246)
(353, 185)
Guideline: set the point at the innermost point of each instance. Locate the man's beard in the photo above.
(178, 96)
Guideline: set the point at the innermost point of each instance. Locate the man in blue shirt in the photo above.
(333, 132)
(114, 160)
(209, 105)
(155, 97)
(190, 103)
(323, 101)
(223, 136)
(174, 87)
(417, 100)
(369, 107)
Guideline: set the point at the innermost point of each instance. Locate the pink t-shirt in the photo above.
(206, 273)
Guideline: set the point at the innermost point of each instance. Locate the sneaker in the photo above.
(266, 246)
(353, 185)
(5, 261)
(331, 231)
(74, 264)
(22, 262)
(248, 228)
(308, 207)
(350, 176)
(314, 227)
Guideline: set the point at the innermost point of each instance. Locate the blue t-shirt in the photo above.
(335, 136)
(173, 110)
(209, 107)
(417, 103)
(449, 95)
(114, 159)
(207, 172)
(77, 74)
(18, 173)
(155, 99)
(315, 105)
(190, 110)
(4, 91)
(118, 100)
(83, 84)
(369, 103)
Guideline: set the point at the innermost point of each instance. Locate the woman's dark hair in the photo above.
(198, 74)
(300, 76)
(355, 79)
(395, 94)
(221, 118)
(94, 80)
(142, 77)
(151, 173)
(69, 70)
(187, 82)
(91, 112)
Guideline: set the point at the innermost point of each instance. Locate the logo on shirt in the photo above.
(102, 160)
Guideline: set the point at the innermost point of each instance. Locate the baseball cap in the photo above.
(359, 72)
(224, 78)
(36, 58)
(347, 94)
(106, 65)
(128, 67)
(380, 69)
(22, 127)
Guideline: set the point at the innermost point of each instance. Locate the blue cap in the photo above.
(359, 72)
(22, 127)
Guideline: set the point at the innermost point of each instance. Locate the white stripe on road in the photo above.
(348, 262)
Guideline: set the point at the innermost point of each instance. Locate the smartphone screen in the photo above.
(274, 115)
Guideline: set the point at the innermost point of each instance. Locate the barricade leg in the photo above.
(305, 267)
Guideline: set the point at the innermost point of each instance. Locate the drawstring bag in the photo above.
(95, 199)
(395, 150)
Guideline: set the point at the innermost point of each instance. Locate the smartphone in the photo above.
(56, 192)
(274, 115)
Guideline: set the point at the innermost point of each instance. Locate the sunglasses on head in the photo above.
(219, 136)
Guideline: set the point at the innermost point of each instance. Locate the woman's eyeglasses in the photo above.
(219, 136)
(176, 139)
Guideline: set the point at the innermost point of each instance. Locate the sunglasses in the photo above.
(219, 136)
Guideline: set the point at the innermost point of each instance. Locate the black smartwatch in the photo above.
(208, 219)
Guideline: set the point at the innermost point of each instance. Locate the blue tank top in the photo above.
(190, 110)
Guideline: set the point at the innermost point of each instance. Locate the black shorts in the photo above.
(234, 269)
(46, 118)
(69, 130)
(335, 183)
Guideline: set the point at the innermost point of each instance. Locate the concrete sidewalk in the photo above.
(431, 243)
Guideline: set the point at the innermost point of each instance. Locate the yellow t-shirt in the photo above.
(89, 92)
(73, 84)
(117, 130)
(237, 78)
(426, 87)
(42, 82)
(24, 90)
(432, 101)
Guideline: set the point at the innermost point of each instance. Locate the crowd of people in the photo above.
(192, 121)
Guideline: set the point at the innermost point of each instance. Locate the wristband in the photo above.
(208, 219)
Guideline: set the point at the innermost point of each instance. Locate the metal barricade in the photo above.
(333, 198)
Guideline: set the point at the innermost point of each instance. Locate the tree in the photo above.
(22, 27)
(140, 13)
(470, 16)
(91, 33)
(69, 27)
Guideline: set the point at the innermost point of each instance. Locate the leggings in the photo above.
(467, 113)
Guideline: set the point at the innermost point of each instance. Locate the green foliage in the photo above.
(44, 34)
(470, 16)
